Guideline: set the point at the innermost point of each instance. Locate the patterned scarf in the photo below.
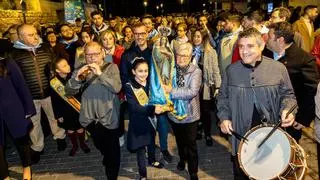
(180, 72)
(196, 54)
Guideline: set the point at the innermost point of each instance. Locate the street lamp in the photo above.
(145, 4)
(181, 1)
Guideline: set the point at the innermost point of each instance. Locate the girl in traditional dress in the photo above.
(141, 132)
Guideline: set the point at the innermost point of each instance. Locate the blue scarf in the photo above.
(63, 41)
(196, 54)
(21, 45)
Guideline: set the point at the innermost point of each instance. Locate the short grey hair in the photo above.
(185, 46)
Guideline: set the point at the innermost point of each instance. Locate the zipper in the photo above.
(37, 73)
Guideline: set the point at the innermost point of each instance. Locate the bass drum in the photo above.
(280, 157)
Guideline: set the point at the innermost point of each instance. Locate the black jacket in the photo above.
(36, 69)
(126, 61)
(304, 77)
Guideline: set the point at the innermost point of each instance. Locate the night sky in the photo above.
(136, 7)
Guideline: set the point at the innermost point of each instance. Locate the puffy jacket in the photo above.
(36, 69)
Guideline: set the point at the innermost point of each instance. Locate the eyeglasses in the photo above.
(93, 55)
(140, 34)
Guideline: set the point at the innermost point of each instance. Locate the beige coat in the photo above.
(300, 27)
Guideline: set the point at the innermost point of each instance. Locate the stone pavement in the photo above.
(214, 162)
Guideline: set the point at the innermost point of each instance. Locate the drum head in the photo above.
(268, 161)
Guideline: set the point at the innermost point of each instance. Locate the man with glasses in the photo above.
(282, 14)
(34, 59)
(100, 105)
(141, 49)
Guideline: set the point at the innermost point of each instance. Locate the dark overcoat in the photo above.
(141, 131)
(304, 77)
(15, 103)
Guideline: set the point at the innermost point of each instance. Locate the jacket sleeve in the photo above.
(215, 69)
(73, 86)
(21, 88)
(310, 81)
(316, 51)
(286, 92)
(110, 78)
(134, 105)
(56, 105)
(124, 68)
(186, 93)
(224, 112)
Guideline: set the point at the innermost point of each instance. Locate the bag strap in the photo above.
(262, 111)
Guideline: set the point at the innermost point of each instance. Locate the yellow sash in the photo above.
(141, 95)
(58, 87)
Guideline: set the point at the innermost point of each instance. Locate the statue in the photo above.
(163, 72)
(164, 57)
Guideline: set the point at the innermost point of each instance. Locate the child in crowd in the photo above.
(141, 132)
(66, 109)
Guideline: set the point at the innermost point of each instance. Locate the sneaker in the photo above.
(167, 156)
(121, 140)
(61, 144)
(156, 164)
(208, 141)
(181, 165)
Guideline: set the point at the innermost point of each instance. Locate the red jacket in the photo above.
(117, 55)
(316, 51)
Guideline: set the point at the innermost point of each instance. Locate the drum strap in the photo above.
(263, 113)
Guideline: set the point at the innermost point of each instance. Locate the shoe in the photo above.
(142, 178)
(181, 165)
(167, 156)
(208, 141)
(194, 177)
(199, 136)
(61, 144)
(121, 140)
(156, 164)
(35, 157)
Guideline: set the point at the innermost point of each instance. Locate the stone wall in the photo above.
(10, 17)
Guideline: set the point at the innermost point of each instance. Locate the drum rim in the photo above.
(246, 136)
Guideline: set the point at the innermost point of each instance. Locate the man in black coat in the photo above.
(302, 71)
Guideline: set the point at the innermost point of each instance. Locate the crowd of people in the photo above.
(241, 70)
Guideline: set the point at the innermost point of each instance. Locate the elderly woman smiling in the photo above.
(189, 79)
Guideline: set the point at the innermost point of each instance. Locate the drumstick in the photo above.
(238, 136)
(276, 126)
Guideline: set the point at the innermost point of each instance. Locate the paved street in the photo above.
(214, 163)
